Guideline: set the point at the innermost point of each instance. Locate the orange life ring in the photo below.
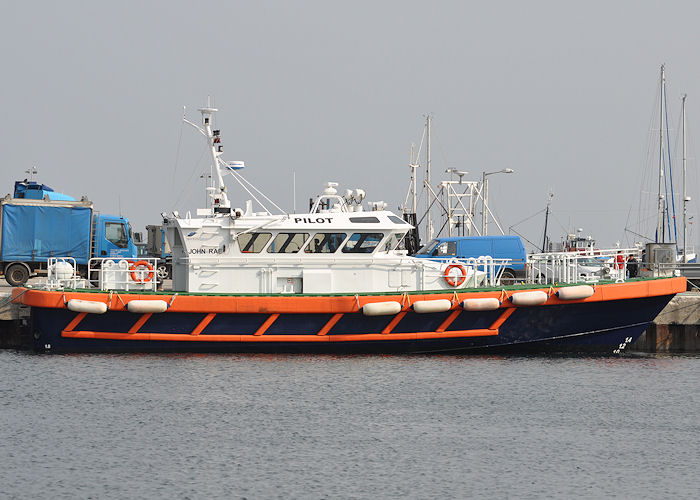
(455, 281)
(133, 267)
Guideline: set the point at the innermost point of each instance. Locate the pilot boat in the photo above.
(332, 280)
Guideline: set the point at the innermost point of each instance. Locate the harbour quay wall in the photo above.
(13, 318)
(675, 330)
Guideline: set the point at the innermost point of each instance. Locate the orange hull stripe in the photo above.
(263, 328)
(326, 304)
(140, 323)
(502, 318)
(331, 323)
(450, 319)
(392, 324)
(203, 324)
(75, 322)
(278, 338)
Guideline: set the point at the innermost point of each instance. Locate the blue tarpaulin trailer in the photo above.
(35, 233)
(38, 223)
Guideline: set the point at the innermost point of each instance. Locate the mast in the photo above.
(686, 199)
(413, 166)
(546, 221)
(429, 225)
(215, 150)
(660, 230)
(219, 198)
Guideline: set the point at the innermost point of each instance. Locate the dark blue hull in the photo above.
(596, 327)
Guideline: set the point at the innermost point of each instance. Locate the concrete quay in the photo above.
(675, 330)
(12, 319)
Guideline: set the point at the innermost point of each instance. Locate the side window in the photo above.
(253, 242)
(362, 242)
(288, 242)
(325, 242)
(446, 248)
(116, 233)
(392, 242)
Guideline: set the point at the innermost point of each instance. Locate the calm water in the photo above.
(262, 426)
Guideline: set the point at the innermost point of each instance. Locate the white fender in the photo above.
(147, 306)
(432, 306)
(575, 292)
(483, 304)
(87, 306)
(381, 308)
(534, 298)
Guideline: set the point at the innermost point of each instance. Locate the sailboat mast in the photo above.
(429, 225)
(660, 237)
(685, 195)
(413, 166)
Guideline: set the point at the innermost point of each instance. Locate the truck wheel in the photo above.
(16, 274)
(507, 277)
(162, 272)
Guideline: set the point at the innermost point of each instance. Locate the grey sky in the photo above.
(562, 92)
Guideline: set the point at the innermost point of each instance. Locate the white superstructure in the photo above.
(335, 248)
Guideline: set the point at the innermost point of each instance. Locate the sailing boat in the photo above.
(666, 229)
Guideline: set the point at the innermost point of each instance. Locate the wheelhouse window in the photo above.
(116, 233)
(253, 242)
(364, 220)
(397, 220)
(325, 242)
(392, 242)
(288, 242)
(363, 242)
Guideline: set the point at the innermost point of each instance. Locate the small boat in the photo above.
(332, 280)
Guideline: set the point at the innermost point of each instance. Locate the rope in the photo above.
(177, 151)
(670, 177)
(118, 296)
(10, 298)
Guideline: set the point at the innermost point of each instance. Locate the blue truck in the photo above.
(466, 247)
(37, 223)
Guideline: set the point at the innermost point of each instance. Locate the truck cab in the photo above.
(112, 237)
(466, 247)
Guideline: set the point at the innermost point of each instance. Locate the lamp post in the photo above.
(485, 197)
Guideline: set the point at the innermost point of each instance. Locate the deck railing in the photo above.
(62, 272)
(123, 274)
(481, 272)
(587, 267)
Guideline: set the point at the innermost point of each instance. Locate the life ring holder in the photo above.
(455, 281)
(133, 267)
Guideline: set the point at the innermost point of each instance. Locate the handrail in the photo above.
(123, 274)
(566, 267)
